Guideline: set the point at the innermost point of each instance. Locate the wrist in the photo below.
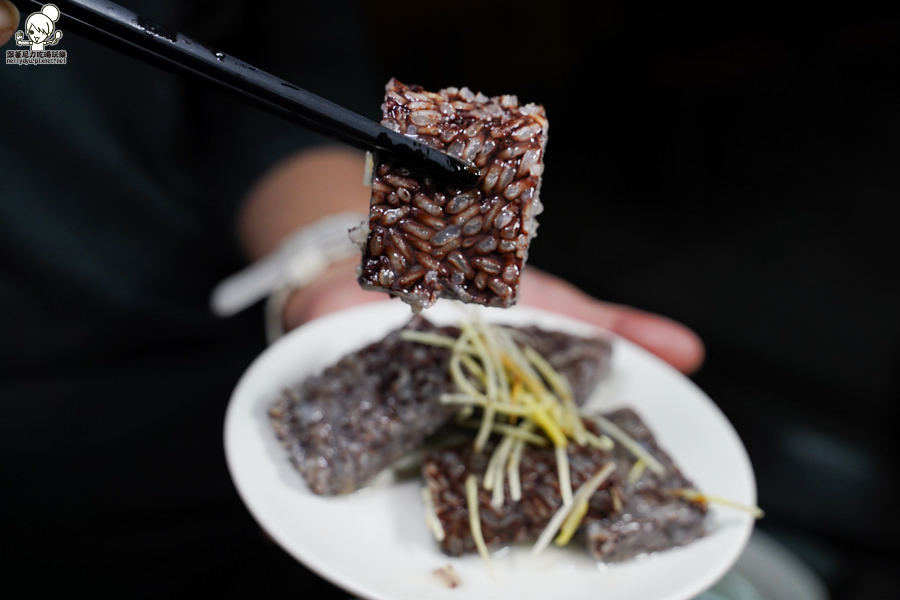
(298, 262)
(333, 289)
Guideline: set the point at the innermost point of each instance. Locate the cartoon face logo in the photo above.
(41, 29)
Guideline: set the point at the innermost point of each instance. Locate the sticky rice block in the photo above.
(626, 517)
(427, 238)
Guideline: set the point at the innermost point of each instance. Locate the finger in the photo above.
(676, 344)
(9, 20)
(671, 341)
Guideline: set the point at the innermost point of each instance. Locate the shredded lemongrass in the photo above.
(515, 361)
(520, 433)
(613, 431)
(516, 432)
(474, 368)
(503, 450)
(637, 469)
(431, 518)
(462, 382)
(491, 382)
(565, 477)
(616, 499)
(570, 525)
(562, 389)
(603, 442)
(488, 364)
(696, 496)
(524, 400)
(541, 417)
(460, 398)
(585, 491)
(512, 470)
(466, 411)
(492, 350)
(427, 337)
(475, 519)
(484, 431)
(467, 400)
(494, 463)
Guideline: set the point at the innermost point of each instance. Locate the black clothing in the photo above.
(118, 200)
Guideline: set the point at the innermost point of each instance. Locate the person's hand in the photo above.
(668, 339)
(9, 20)
(315, 183)
(671, 341)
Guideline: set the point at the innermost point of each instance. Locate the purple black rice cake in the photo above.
(428, 239)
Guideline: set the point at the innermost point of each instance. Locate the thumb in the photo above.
(9, 20)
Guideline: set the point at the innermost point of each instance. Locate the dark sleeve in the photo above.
(322, 48)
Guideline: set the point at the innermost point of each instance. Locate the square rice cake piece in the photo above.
(427, 239)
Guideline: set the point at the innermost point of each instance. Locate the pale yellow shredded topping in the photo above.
(583, 494)
(512, 470)
(613, 431)
(524, 400)
(695, 496)
(637, 469)
(431, 518)
(475, 519)
(565, 481)
(570, 525)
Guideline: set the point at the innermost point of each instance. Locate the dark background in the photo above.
(730, 166)
(733, 167)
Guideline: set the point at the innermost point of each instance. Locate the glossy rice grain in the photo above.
(495, 220)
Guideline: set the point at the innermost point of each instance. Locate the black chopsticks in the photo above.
(130, 33)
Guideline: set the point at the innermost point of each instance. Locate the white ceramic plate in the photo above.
(375, 544)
